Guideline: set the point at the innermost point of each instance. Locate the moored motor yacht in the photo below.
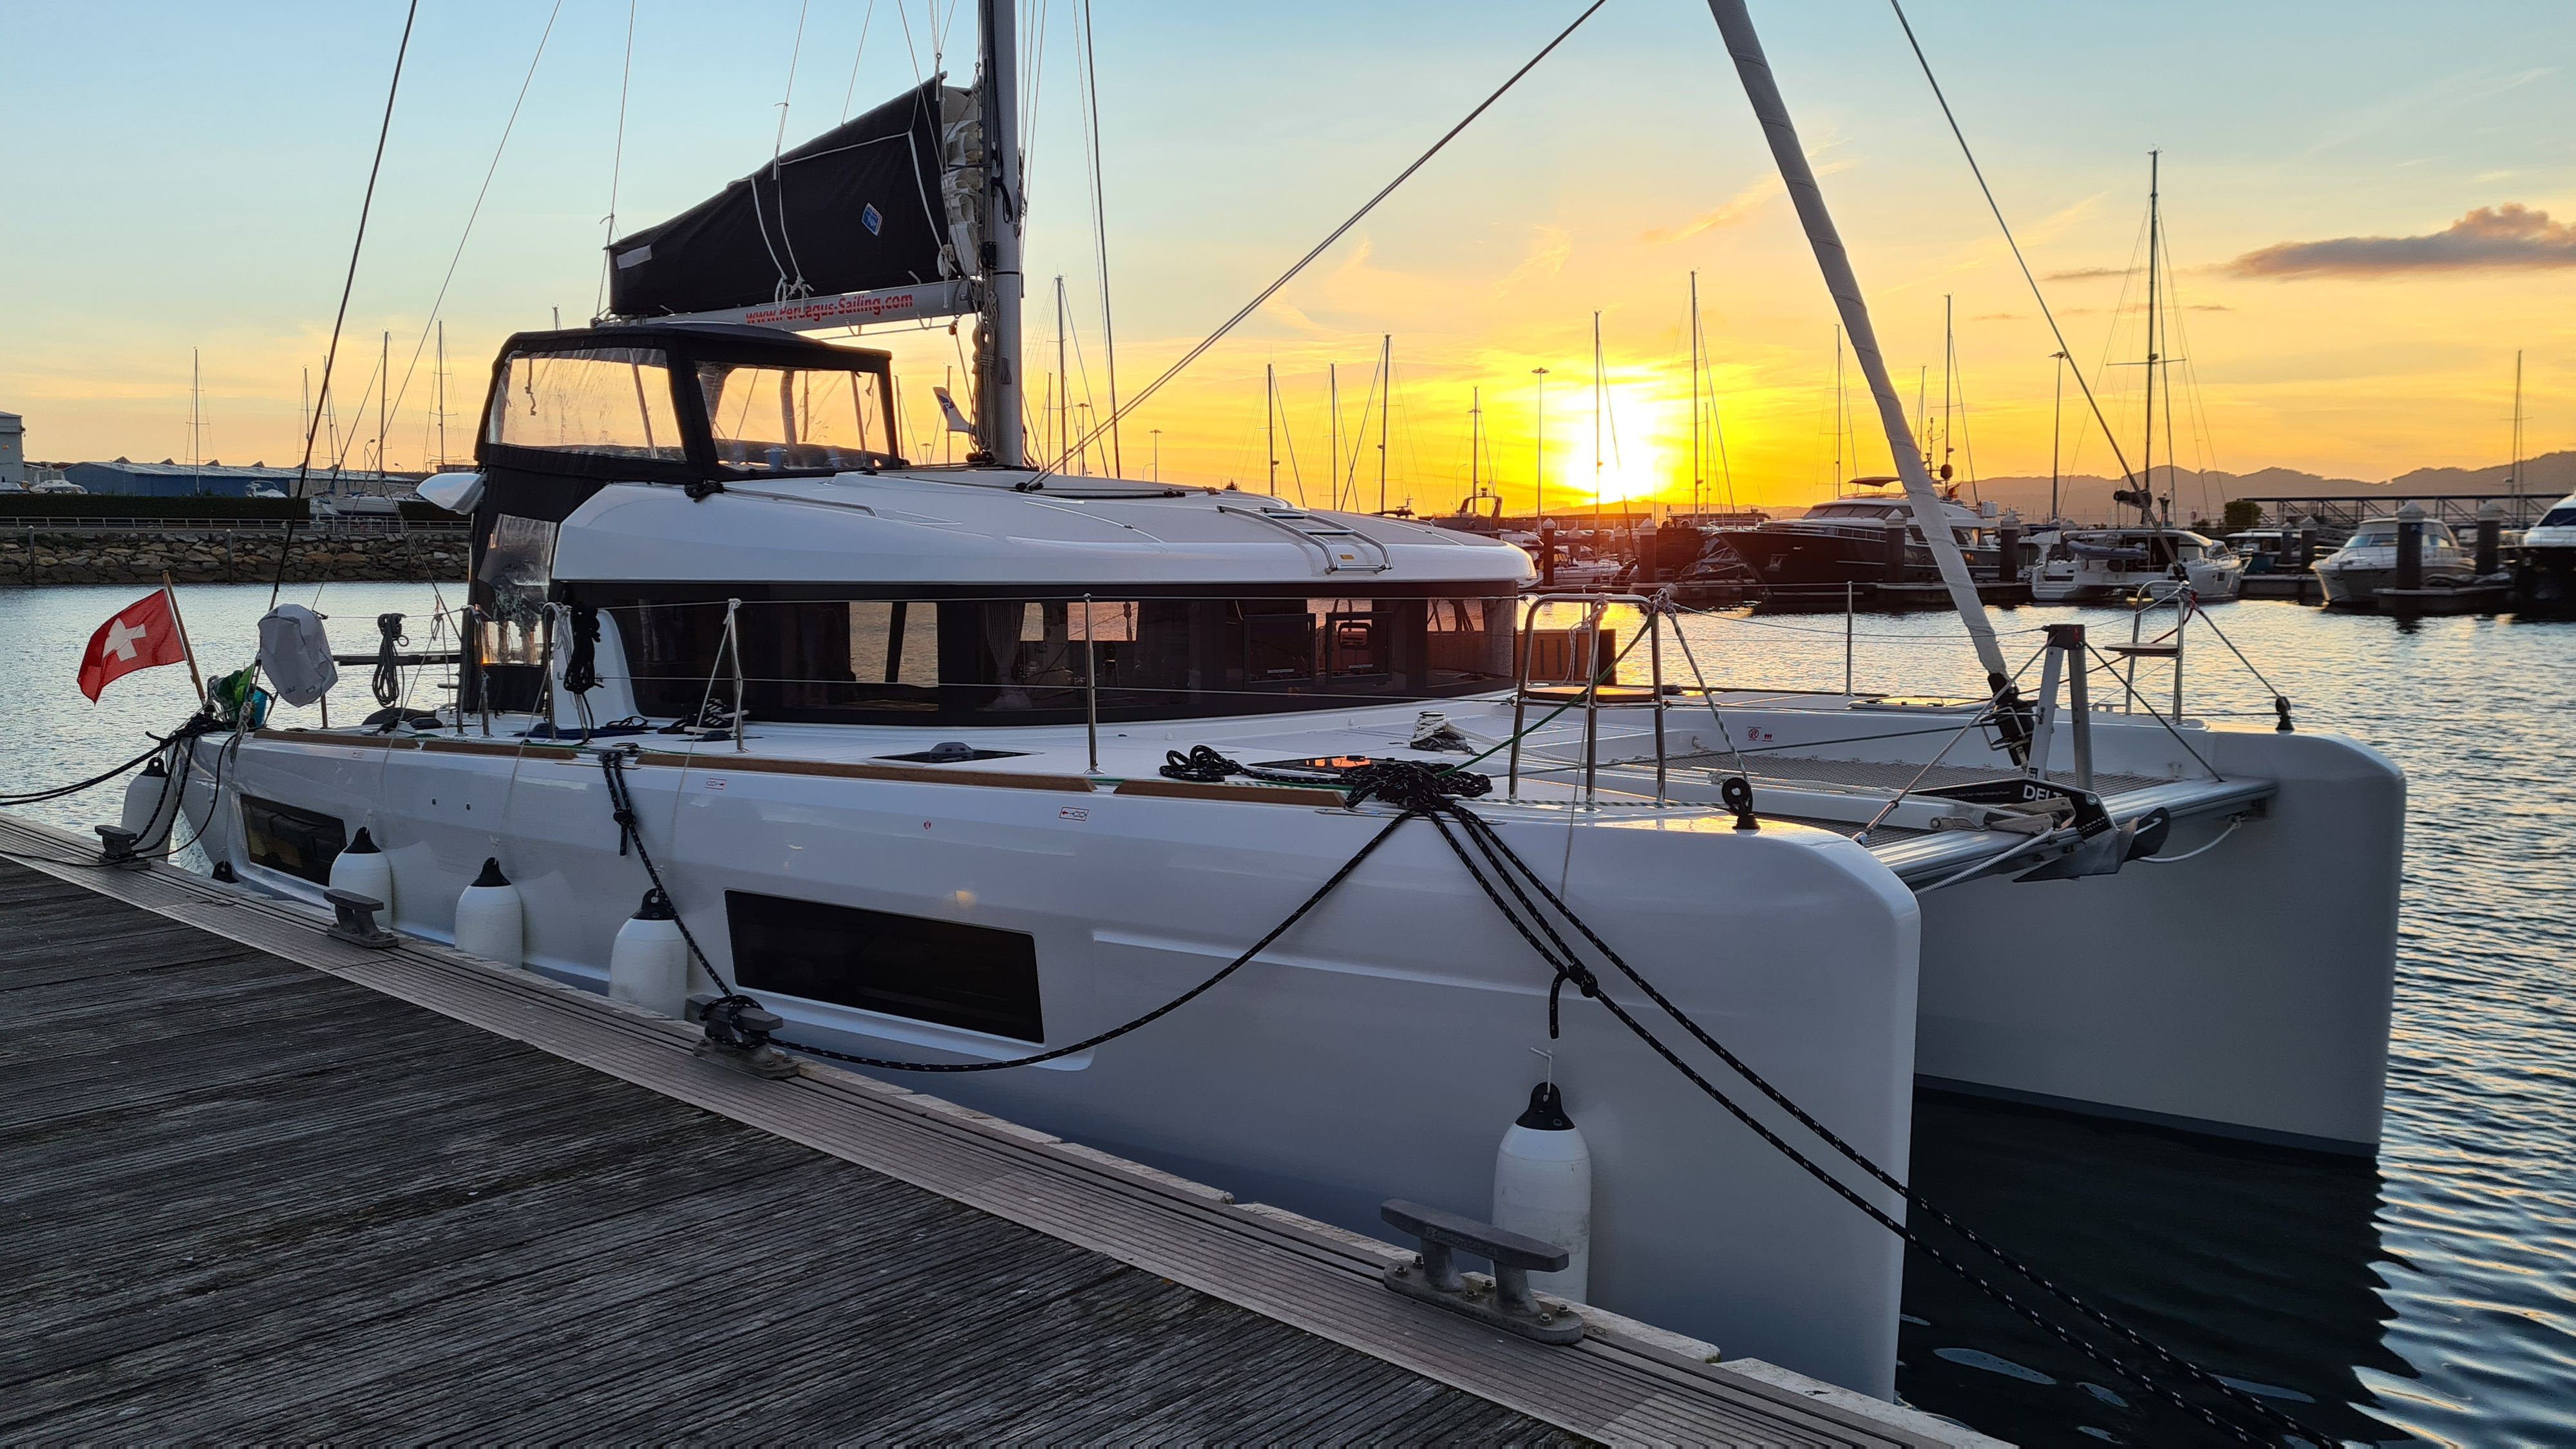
(2354, 574)
(961, 765)
(2089, 565)
(1857, 539)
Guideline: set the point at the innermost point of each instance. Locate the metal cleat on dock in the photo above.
(115, 845)
(737, 1036)
(1433, 1275)
(354, 920)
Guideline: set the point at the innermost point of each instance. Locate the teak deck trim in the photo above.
(1624, 1383)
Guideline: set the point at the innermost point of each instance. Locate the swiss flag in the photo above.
(143, 634)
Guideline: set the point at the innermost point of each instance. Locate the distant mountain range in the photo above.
(2087, 497)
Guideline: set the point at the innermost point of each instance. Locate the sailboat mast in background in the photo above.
(2147, 473)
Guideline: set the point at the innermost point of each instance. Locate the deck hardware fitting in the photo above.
(116, 844)
(1434, 1278)
(354, 920)
(737, 1036)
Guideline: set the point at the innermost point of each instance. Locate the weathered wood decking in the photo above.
(250, 1189)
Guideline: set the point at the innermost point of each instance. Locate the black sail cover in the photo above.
(855, 209)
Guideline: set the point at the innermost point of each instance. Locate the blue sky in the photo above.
(188, 175)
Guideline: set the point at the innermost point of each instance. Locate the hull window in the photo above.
(971, 977)
(301, 843)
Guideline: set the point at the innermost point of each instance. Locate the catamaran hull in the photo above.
(2244, 992)
(1378, 1051)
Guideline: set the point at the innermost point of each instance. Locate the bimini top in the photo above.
(936, 529)
(684, 402)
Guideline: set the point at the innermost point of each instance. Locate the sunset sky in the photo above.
(2372, 206)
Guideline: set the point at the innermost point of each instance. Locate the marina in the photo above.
(900, 920)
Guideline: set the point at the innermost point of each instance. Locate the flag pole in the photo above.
(194, 677)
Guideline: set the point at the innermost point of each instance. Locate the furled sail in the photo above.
(862, 207)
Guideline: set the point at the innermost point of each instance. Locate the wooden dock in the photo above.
(260, 1184)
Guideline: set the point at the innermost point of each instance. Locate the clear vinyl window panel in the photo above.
(614, 401)
(795, 419)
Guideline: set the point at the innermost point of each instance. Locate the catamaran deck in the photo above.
(264, 1184)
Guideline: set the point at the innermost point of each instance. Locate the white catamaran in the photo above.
(918, 753)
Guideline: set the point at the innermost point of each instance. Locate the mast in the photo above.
(1475, 439)
(997, 340)
(1949, 361)
(1842, 410)
(1270, 419)
(1698, 481)
(2513, 470)
(1333, 401)
(1064, 401)
(2055, 433)
(441, 379)
(1538, 451)
(196, 424)
(1596, 435)
(384, 385)
(1744, 46)
(1385, 405)
(2147, 474)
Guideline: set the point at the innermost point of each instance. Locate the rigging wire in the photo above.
(1038, 478)
(303, 470)
(617, 161)
(795, 52)
(476, 212)
(852, 89)
(1100, 235)
(1995, 207)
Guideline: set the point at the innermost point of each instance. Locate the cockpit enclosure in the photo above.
(694, 405)
(681, 403)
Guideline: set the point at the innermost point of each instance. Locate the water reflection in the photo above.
(2256, 1263)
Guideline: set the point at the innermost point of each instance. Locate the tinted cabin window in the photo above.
(609, 400)
(301, 843)
(799, 660)
(971, 977)
(1031, 660)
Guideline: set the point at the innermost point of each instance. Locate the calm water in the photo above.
(2430, 1297)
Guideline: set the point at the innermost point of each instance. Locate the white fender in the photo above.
(151, 800)
(1543, 1189)
(648, 966)
(488, 917)
(366, 870)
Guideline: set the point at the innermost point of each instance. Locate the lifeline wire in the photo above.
(1037, 479)
(1991, 205)
(286, 547)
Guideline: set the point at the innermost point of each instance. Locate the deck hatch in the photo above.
(972, 977)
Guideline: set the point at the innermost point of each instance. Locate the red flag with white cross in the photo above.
(143, 634)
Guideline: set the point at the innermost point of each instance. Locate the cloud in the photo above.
(1730, 212)
(1549, 247)
(2511, 235)
(1996, 317)
(2208, 307)
(2087, 274)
